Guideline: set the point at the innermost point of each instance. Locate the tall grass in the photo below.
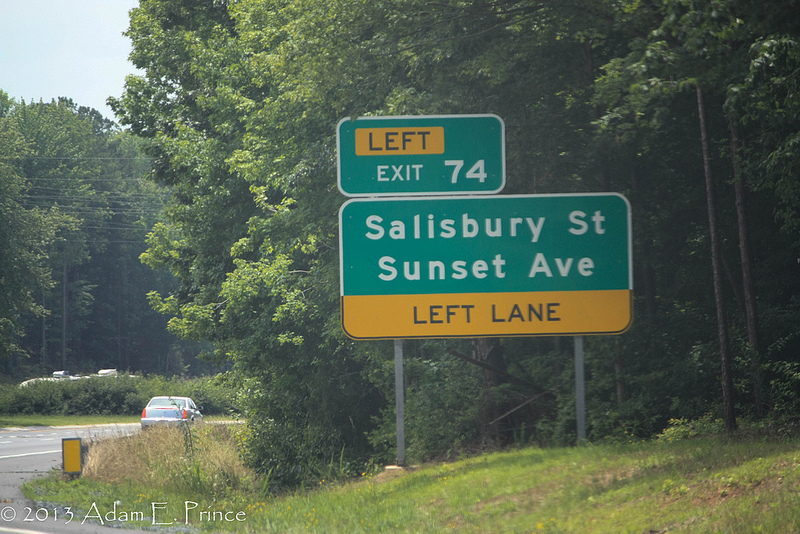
(201, 461)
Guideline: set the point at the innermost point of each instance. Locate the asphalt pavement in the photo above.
(30, 453)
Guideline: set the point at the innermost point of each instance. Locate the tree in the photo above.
(81, 180)
(27, 237)
(238, 105)
(696, 45)
(251, 221)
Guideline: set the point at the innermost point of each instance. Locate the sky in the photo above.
(71, 48)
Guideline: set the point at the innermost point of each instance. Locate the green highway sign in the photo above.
(421, 155)
(506, 265)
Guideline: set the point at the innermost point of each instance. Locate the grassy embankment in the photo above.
(712, 484)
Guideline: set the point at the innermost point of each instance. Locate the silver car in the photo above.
(170, 411)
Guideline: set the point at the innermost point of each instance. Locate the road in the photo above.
(43, 441)
(30, 453)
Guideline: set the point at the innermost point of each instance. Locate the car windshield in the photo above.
(166, 403)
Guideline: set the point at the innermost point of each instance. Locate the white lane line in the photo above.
(20, 531)
(28, 454)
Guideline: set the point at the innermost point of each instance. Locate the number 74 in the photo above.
(477, 171)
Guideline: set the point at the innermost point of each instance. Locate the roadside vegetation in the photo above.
(201, 234)
(680, 481)
(109, 396)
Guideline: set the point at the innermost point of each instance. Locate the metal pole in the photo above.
(580, 391)
(399, 399)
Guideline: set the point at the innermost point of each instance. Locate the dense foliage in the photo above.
(76, 208)
(689, 108)
(239, 101)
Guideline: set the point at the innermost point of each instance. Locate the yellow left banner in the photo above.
(551, 313)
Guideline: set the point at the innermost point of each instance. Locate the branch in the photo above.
(491, 368)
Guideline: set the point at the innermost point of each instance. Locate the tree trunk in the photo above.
(64, 318)
(44, 332)
(619, 381)
(120, 296)
(750, 306)
(488, 351)
(729, 411)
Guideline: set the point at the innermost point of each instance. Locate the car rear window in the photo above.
(166, 403)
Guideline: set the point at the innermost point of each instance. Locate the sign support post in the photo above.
(399, 399)
(580, 391)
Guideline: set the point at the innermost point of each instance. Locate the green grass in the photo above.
(694, 485)
(19, 420)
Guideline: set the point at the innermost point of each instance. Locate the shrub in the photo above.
(680, 429)
(121, 395)
(39, 397)
(99, 396)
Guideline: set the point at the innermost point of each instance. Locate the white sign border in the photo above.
(400, 194)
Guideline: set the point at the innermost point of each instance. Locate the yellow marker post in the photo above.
(71, 455)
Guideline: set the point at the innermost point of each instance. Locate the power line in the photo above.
(82, 158)
(85, 179)
(97, 211)
(103, 241)
(118, 227)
